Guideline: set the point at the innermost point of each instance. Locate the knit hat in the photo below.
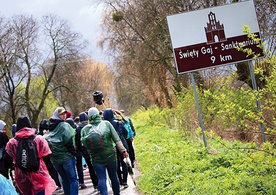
(23, 121)
(69, 114)
(92, 111)
(2, 125)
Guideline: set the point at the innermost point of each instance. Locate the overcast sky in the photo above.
(84, 16)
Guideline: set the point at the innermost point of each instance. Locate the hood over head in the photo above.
(83, 117)
(108, 114)
(44, 124)
(57, 112)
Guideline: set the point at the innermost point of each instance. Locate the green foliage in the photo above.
(258, 41)
(268, 93)
(174, 164)
(50, 103)
(230, 107)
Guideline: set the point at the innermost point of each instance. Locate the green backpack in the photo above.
(94, 138)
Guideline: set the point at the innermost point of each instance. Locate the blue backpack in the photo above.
(130, 132)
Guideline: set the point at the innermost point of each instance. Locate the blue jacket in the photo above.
(117, 124)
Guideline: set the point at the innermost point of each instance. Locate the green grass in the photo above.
(172, 163)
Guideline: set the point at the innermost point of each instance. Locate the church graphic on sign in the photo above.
(214, 30)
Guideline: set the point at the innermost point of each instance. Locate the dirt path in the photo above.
(131, 190)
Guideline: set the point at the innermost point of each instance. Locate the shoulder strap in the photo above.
(18, 138)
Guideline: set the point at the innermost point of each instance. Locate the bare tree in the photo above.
(26, 57)
(63, 45)
(17, 36)
(80, 80)
(137, 37)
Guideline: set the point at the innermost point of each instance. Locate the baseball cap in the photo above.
(61, 110)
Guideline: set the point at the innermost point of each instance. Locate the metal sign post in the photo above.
(210, 37)
(254, 84)
(198, 111)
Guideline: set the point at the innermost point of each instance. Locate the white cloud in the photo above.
(83, 15)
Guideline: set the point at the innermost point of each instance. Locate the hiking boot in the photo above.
(124, 184)
(83, 186)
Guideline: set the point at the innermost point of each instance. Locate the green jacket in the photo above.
(57, 140)
(107, 153)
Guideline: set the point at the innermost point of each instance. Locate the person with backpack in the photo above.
(78, 154)
(43, 128)
(29, 153)
(99, 137)
(61, 138)
(131, 134)
(109, 115)
(3, 142)
(82, 151)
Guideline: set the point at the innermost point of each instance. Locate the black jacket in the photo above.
(80, 148)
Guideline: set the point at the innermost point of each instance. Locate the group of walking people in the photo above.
(63, 143)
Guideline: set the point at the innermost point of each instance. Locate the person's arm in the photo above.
(71, 148)
(117, 112)
(121, 149)
(8, 161)
(6, 138)
(47, 161)
(116, 139)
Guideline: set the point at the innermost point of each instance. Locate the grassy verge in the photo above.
(172, 163)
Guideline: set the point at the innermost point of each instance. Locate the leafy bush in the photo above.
(172, 163)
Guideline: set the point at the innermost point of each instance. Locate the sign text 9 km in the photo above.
(208, 42)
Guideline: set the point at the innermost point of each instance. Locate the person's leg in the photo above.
(42, 192)
(119, 171)
(112, 173)
(101, 174)
(71, 173)
(131, 152)
(124, 171)
(55, 177)
(92, 173)
(53, 173)
(65, 182)
(80, 169)
(5, 173)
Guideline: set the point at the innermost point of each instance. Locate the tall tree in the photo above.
(18, 35)
(28, 56)
(137, 38)
(80, 80)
